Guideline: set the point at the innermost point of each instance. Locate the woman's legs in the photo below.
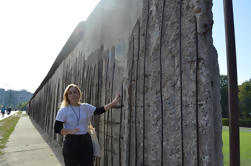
(70, 160)
(78, 151)
(70, 151)
(87, 155)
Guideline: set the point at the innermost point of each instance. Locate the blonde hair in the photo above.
(66, 101)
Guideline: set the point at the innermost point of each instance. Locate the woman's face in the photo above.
(73, 96)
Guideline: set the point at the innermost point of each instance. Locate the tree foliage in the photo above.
(245, 98)
(22, 106)
(224, 95)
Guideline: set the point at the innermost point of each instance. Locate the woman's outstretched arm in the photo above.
(113, 103)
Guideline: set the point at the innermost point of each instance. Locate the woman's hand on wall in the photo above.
(115, 101)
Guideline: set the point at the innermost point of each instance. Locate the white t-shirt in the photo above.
(76, 117)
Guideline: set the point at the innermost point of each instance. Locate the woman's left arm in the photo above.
(113, 103)
(101, 110)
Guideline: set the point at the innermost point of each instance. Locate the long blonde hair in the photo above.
(66, 101)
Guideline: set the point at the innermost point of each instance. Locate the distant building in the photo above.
(23, 96)
(2, 92)
(14, 98)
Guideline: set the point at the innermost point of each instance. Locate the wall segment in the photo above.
(159, 55)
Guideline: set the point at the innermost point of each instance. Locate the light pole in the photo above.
(234, 135)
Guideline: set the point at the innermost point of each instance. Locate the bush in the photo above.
(225, 122)
(245, 122)
(242, 122)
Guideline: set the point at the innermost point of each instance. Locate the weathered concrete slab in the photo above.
(159, 55)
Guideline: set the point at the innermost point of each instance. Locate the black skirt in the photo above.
(78, 150)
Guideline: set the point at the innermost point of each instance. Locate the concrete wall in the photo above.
(159, 55)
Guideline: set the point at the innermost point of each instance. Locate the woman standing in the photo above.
(72, 121)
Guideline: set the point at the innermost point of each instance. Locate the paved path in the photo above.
(29, 147)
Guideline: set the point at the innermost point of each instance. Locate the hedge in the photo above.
(242, 122)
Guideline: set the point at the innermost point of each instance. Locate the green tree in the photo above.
(224, 95)
(245, 99)
(22, 106)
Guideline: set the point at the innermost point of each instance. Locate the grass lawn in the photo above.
(245, 146)
(6, 127)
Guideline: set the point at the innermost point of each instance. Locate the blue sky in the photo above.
(242, 22)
